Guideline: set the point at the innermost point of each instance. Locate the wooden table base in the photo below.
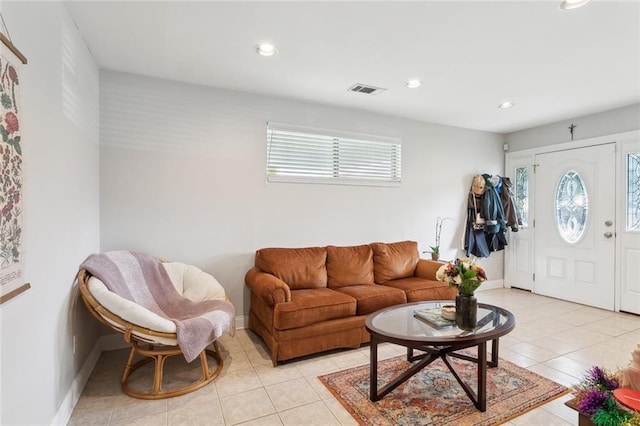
(431, 354)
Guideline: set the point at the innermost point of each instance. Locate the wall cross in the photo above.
(573, 126)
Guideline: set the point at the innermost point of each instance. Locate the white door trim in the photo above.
(626, 240)
(618, 138)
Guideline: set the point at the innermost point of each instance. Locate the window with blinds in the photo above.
(296, 154)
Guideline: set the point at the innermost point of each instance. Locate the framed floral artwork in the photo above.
(11, 177)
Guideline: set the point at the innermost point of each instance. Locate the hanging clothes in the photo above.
(509, 204)
(495, 220)
(486, 221)
(475, 240)
(495, 181)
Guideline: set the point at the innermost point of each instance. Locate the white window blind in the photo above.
(296, 154)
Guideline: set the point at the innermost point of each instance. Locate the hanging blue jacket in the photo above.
(475, 239)
(495, 220)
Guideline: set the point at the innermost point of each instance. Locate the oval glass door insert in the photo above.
(572, 207)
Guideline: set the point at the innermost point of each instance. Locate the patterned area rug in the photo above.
(434, 397)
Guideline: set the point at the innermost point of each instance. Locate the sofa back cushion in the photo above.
(349, 266)
(392, 261)
(298, 267)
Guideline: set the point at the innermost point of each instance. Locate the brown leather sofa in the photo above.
(309, 300)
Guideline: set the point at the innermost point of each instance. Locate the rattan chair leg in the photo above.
(157, 375)
(128, 368)
(204, 366)
(159, 355)
(215, 354)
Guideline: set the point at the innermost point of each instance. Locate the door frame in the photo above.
(516, 158)
(624, 238)
(521, 279)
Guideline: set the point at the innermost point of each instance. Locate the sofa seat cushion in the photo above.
(349, 266)
(300, 268)
(311, 306)
(392, 261)
(421, 289)
(374, 297)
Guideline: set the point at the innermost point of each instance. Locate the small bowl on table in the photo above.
(448, 312)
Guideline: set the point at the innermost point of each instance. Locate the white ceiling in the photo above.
(471, 56)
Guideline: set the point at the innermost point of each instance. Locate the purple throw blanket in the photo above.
(142, 279)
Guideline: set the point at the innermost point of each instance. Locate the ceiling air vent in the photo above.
(367, 90)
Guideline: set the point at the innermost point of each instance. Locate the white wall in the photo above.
(183, 178)
(605, 123)
(59, 96)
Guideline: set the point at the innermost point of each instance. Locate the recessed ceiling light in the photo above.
(506, 105)
(413, 83)
(573, 4)
(266, 49)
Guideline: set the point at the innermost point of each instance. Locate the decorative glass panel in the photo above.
(633, 192)
(522, 196)
(572, 207)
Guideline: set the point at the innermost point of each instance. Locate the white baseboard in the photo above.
(491, 285)
(241, 322)
(77, 386)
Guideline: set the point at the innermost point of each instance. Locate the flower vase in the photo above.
(466, 311)
(435, 256)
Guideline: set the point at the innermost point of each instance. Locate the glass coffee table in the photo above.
(398, 325)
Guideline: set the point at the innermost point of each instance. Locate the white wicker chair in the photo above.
(151, 336)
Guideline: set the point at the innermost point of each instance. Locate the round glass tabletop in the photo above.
(402, 323)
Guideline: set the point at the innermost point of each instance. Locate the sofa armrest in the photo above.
(269, 288)
(427, 269)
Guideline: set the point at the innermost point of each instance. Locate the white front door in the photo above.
(575, 225)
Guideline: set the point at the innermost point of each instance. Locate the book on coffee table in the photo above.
(432, 317)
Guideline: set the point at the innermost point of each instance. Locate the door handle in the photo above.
(608, 235)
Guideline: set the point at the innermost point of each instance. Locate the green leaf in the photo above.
(469, 274)
(6, 101)
(16, 145)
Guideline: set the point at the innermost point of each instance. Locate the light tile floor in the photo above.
(556, 339)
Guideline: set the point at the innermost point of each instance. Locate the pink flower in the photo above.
(13, 75)
(481, 274)
(12, 122)
(6, 210)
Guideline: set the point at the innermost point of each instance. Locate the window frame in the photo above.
(629, 194)
(345, 154)
(575, 237)
(521, 191)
